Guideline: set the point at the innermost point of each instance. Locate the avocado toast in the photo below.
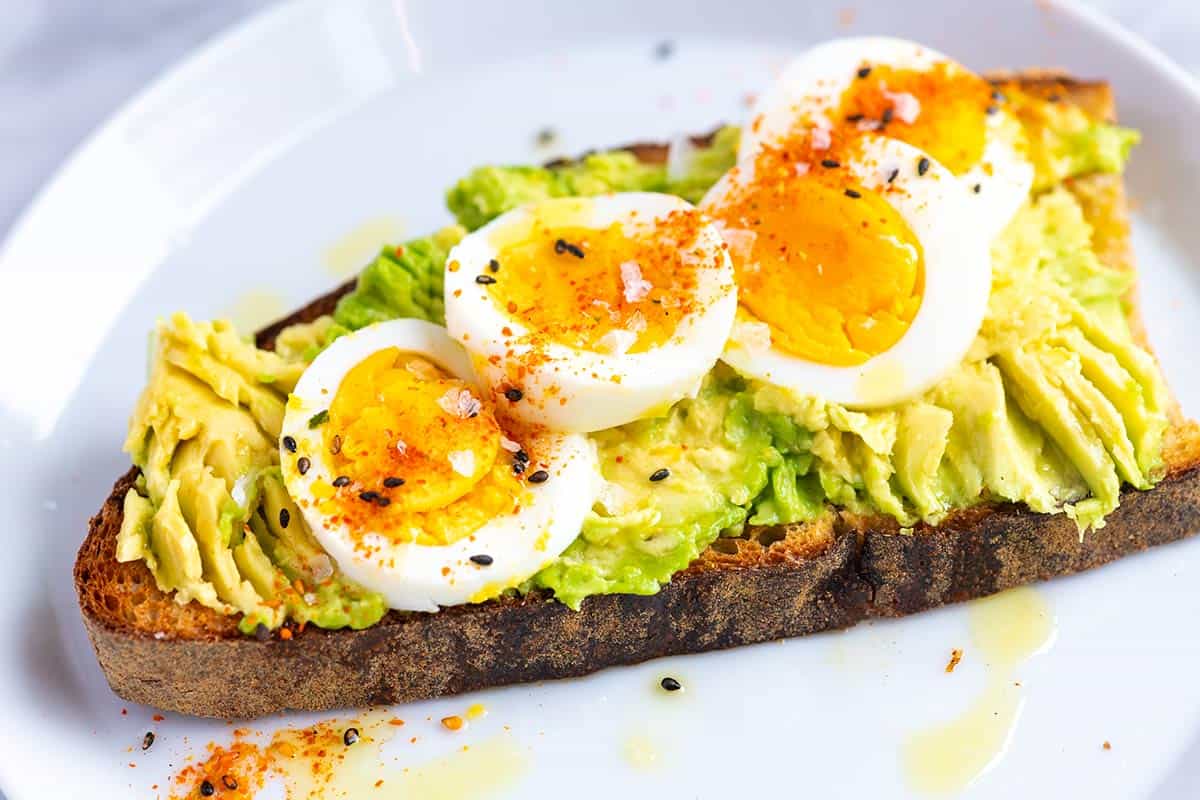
(771, 581)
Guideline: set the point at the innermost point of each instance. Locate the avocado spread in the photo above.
(1055, 407)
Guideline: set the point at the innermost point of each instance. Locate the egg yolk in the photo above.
(415, 453)
(621, 288)
(942, 110)
(830, 266)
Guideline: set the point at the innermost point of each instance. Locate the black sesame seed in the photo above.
(302, 464)
(670, 684)
(513, 395)
(207, 789)
(864, 72)
(392, 482)
(494, 265)
(350, 736)
(886, 116)
(563, 246)
(519, 466)
(852, 194)
(335, 446)
(854, 118)
(546, 137)
(998, 95)
(340, 481)
(148, 740)
(482, 560)
(289, 444)
(285, 517)
(484, 279)
(541, 476)
(368, 496)
(1054, 98)
(262, 632)
(521, 456)
(923, 166)
(660, 475)
(383, 502)
(318, 419)
(992, 110)
(229, 782)
(977, 188)
(895, 173)
(831, 163)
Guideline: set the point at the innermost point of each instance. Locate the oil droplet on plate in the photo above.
(255, 309)
(1006, 630)
(642, 752)
(480, 770)
(355, 249)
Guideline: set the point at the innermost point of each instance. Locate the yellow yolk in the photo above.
(831, 267)
(577, 285)
(415, 453)
(950, 124)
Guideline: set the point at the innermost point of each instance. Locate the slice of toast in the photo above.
(770, 584)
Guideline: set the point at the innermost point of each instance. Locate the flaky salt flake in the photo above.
(613, 314)
(616, 342)
(460, 403)
(636, 287)
(820, 137)
(740, 241)
(321, 567)
(905, 107)
(462, 462)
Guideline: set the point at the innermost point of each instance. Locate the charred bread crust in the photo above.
(772, 584)
(414, 656)
(980, 554)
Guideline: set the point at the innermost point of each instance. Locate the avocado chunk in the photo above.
(205, 435)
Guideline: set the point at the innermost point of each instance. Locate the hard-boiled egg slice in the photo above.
(878, 86)
(861, 280)
(587, 313)
(411, 483)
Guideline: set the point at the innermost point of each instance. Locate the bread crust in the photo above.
(776, 583)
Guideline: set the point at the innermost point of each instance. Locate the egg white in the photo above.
(812, 86)
(957, 283)
(584, 390)
(416, 577)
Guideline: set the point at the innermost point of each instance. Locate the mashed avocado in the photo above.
(210, 516)
(1065, 141)
(402, 281)
(1055, 407)
(487, 192)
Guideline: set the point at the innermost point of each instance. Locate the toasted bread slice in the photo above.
(773, 583)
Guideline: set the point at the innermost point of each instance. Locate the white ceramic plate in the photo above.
(236, 172)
